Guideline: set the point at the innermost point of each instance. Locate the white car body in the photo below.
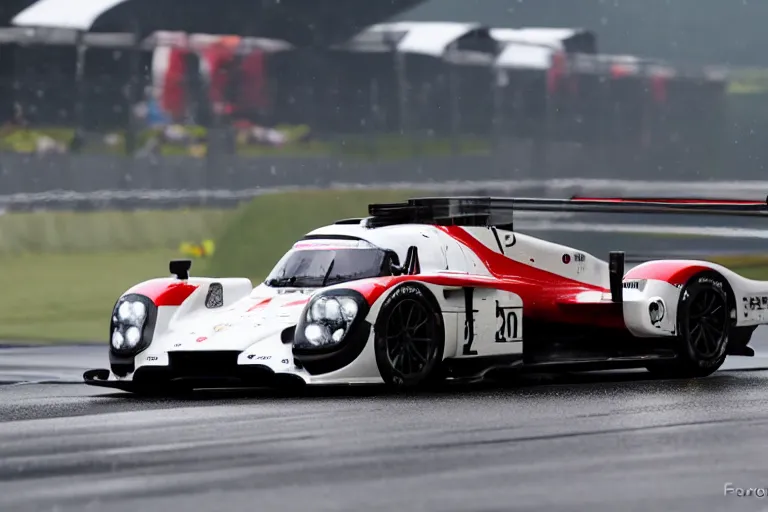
(514, 277)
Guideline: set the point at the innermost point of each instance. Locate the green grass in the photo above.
(81, 263)
(378, 146)
(738, 261)
(263, 230)
(753, 272)
(748, 81)
(70, 296)
(62, 272)
(55, 232)
(752, 266)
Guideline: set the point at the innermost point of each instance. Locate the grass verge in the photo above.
(70, 296)
(79, 232)
(193, 143)
(753, 272)
(67, 289)
(62, 271)
(742, 261)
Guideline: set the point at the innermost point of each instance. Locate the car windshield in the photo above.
(315, 268)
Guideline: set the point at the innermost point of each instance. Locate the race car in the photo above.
(436, 289)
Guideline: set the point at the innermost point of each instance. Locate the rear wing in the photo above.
(498, 211)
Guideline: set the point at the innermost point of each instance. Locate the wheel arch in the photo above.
(690, 362)
(674, 272)
(730, 294)
(739, 336)
(423, 288)
(388, 303)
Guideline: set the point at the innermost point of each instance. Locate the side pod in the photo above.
(616, 276)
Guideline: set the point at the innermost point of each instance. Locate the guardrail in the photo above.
(175, 198)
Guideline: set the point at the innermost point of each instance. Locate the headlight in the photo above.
(656, 310)
(133, 313)
(328, 319)
(132, 324)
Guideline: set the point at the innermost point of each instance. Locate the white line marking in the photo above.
(556, 187)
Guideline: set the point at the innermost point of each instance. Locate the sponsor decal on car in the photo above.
(756, 302)
(709, 280)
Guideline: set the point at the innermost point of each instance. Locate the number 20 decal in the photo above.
(509, 323)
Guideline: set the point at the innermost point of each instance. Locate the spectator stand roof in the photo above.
(464, 43)
(532, 48)
(64, 14)
(528, 48)
(300, 22)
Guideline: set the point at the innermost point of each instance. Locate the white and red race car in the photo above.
(436, 288)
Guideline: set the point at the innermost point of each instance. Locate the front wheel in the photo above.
(409, 339)
(704, 324)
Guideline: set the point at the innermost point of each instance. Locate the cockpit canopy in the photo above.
(320, 263)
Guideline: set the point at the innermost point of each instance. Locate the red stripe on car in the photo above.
(260, 304)
(165, 291)
(296, 302)
(544, 294)
(670, 200)
(505, 268)
(673, 272)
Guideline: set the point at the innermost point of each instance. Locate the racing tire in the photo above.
(409, 339)
(704, 325)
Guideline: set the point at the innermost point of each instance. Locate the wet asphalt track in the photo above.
(596, 442)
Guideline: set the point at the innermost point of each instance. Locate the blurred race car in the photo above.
(431, 289)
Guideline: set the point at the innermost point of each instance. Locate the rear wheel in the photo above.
(409, 339)
(704, 324)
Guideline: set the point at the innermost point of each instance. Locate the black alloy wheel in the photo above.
(707, 324)
(704, 321)
(409, 339)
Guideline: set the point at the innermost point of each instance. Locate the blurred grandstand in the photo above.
(198, 110)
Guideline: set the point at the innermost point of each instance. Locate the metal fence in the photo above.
(334, 115)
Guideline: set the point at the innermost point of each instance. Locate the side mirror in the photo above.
(412, 265)
(616, 275)
(180, 268)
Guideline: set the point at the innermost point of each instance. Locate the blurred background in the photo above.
(136, 131)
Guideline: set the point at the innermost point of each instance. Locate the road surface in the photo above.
(597, 442)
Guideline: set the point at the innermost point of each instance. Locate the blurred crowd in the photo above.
(252, 95)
